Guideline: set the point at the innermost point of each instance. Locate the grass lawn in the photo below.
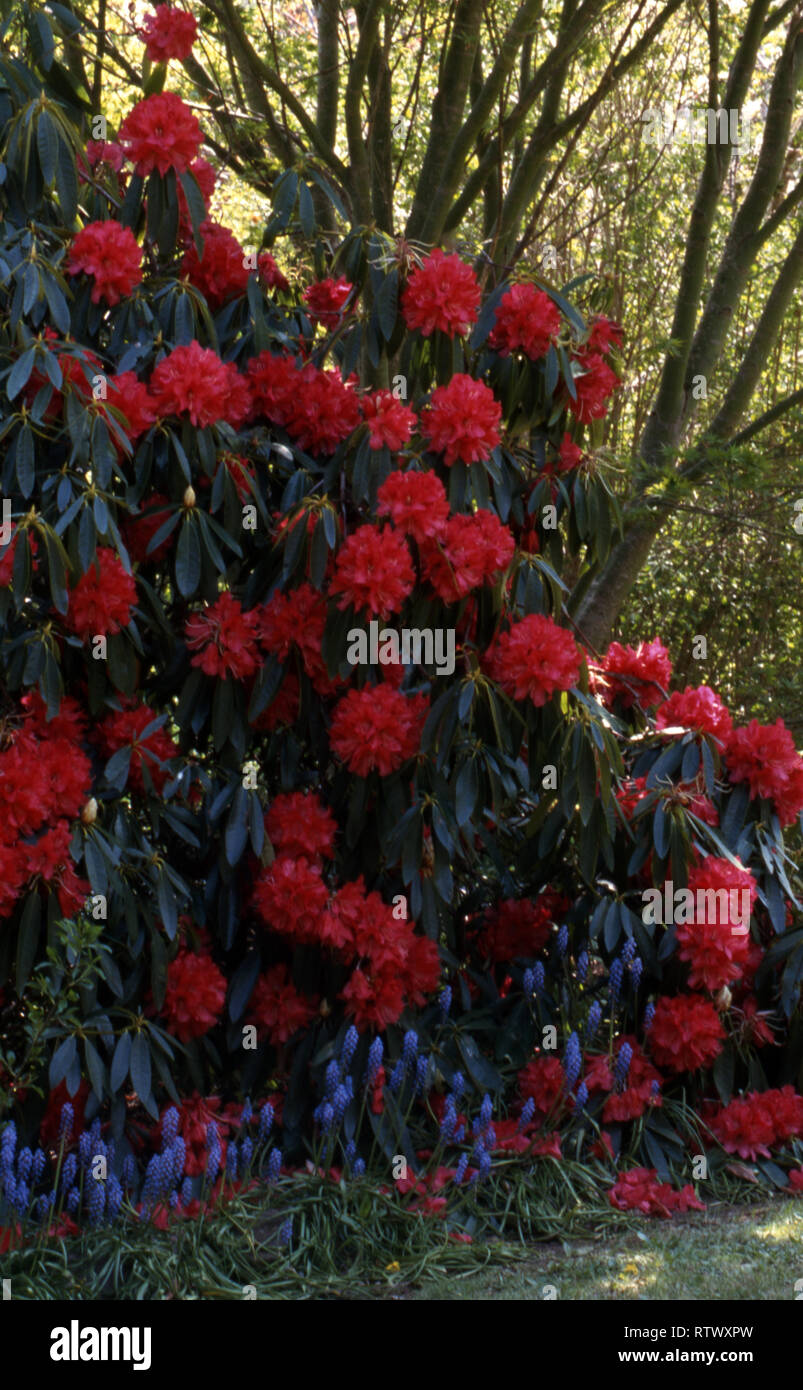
(745, 1253)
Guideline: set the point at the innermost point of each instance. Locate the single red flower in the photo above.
(593, 388)
(391, 423)
(102, 600)
(373, 571)
(169, 33)
(686, 1033)
(415, 502)
(377, 729)
(462, 420)
(223, 639)
(534, 659)
(290, 896)
(111, 255)
(270, 274)
(160, 132)
(527, 321)
(442, 293)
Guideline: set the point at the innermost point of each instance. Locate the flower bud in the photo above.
(189, 497)
(90, 812)
(723, 999)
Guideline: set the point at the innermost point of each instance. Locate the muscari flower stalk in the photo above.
(486, 1111)
(359, 1168)
(484, 1166)
(73, 1200)
(247, 1152)
(539, 979)
(24, 1164)
(460, 1170)
(265, 1122)
(246, 1113)
(582, 967)
(274, 1165)
(170, 1125)
(628, 950)
(397, 1075)
(331, 1079)
(69, 1170)
(349, 1047)
(527, 1112)
(615, 977)
(649, 1015)
(448, 1123)
(594, 1019)
(636, 969)
(129, 1170)
(458, 1085)
(572, 1061)
(445, 1002)
(324, 1114)
(527, 983)
(186, 1192)
(563, 941)
(114, 1197)
(96, 1201)
(231, 1161)
(622, 1066)
(376, 1053)
(410, 1049)
(286, 1232)
(581, 1097)
(66, 1120)
(421, 1070)
(339, 1104)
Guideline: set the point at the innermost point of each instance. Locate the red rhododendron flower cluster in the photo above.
(192, 381)
(639, 1190)
(542, 1081)
(470, 550)
(103, 599)
(105, 152)
(716, 943)
(686, 1033)
(638, 674)
(290, 896)
(194, 996)
(131, 397)
(297, 620)
(270, 274)
(462, 420)
(604, 334)
(111, 255)
(534, 659)
(325, 300)
(377, 729)
(373, 571)
(442, 293)
(160, 132)
(390, 422)
(594, 387)
(698, 708)
(764, 756)
(220, 272)
(223, 639)
(315, 407)
(415, 502)
(123, 729)
(169, 33)
(299, 823)
(751, 1125)
(527, 320)
(277, 1009)
(521, 926)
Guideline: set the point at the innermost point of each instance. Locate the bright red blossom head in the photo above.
(764, 756)
(534, 659)
(444, 294)
(470, 550)
(377, 728)
(462, 421)
(638, 674)
(686, 1033)
(160, 133)
(373, 571)
(277, 1009)
(192, 381)
(715, 951)
(194, 996)
(391, 423)
(325, 300)
(111, 255)
(299, 823)
(169, 33)
(224, 639)
(698, 708)
(527, 321)
(415, 502)
(102, 600)
(220, 272)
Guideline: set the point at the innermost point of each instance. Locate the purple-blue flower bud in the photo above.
(527, 1112)
(622, 1066)
(376, 1053)
(563, 941)
(265, 1122)
(349, 1047)
(594, 1019)
(445, 1001)
(170, 1121)
(649, 1015)
(274, 1165)
(66, 1121)
(410, 1049)
(615, 977)
(460, 1170)
(582, 967)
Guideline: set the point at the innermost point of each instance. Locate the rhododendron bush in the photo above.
(213, 481)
